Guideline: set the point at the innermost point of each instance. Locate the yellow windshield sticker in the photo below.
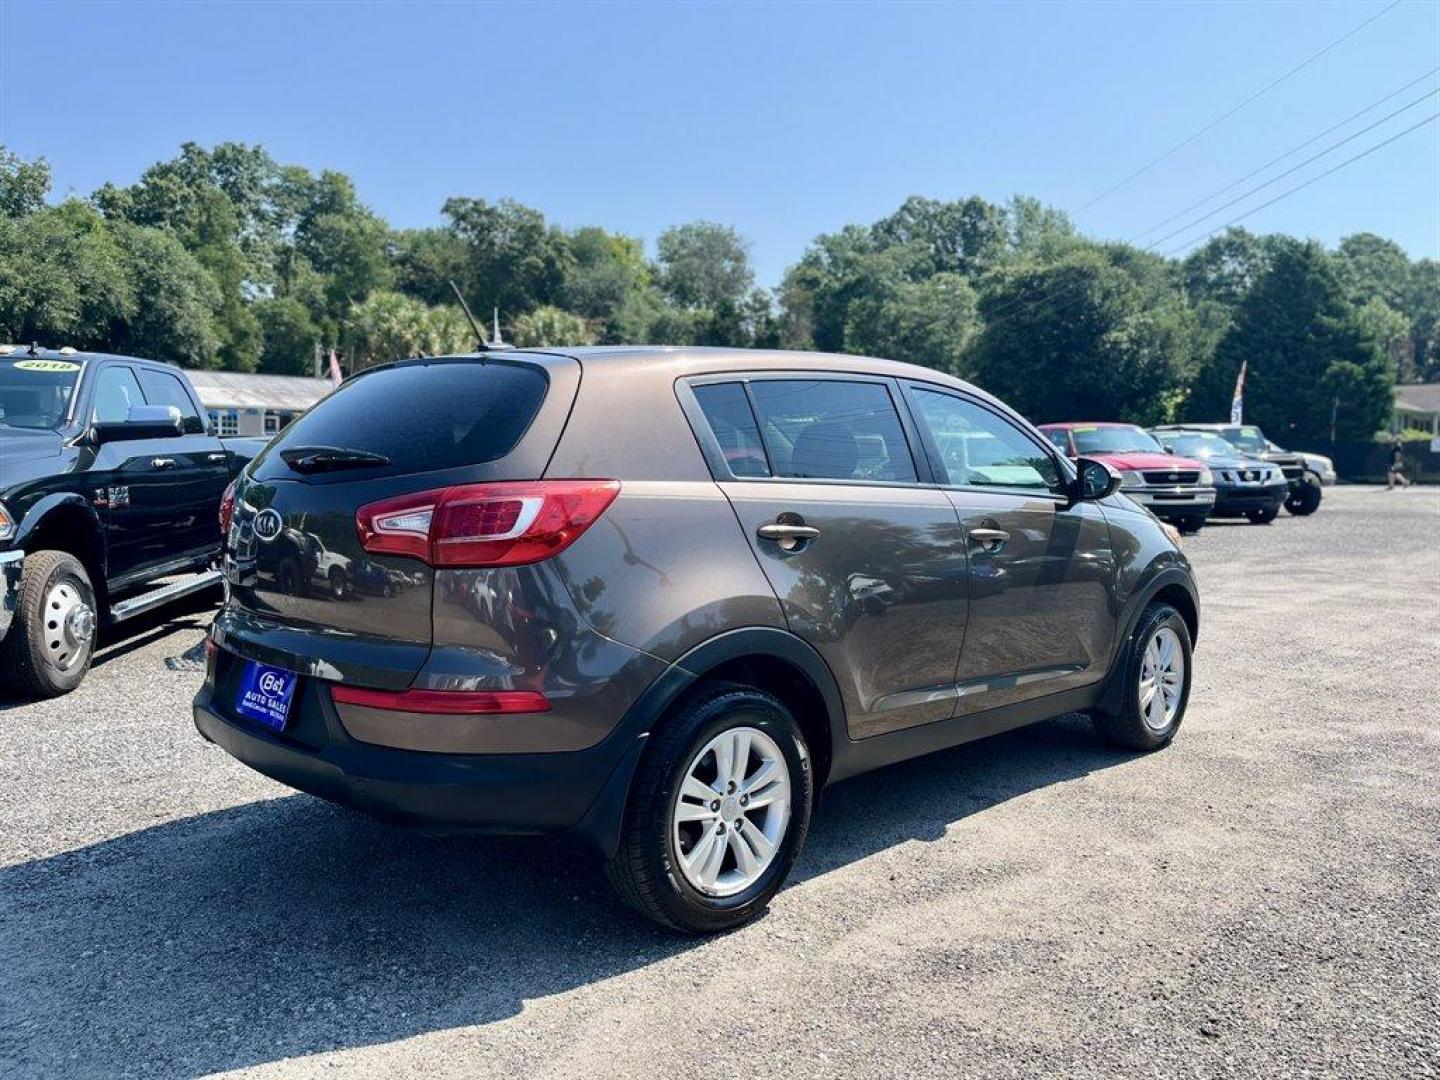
(1085, 429)
(45, 365)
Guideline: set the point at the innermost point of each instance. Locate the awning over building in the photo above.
(239, 390)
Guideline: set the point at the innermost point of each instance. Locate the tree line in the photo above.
(224, 258)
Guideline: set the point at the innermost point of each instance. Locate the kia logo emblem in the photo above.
(272, 684)
(267, 524)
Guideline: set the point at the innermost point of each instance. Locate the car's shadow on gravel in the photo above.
(289, 927)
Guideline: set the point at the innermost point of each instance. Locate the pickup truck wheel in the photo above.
(1157, 683)
(49, 647)
(717, 813)
(1263, 517)
(1305, 499)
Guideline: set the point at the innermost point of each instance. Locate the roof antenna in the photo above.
(479, 334)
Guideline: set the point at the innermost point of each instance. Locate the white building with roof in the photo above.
(240, 403)
(1417, 408)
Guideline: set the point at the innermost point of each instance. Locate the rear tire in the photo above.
(1304, 500)
(52, 640)
(1142, 723)
(650, 869)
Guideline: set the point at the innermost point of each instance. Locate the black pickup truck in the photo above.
(110, 491)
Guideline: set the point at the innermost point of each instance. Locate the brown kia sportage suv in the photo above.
(660, 598)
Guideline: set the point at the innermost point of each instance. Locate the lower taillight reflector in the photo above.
(445, 702)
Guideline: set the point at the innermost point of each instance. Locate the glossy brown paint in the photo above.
(880, 593)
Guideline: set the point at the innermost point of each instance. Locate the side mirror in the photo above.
(1095, 480)
(141, 422)
(1169, 449)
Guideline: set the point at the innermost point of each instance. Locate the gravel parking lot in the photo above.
(1263, 899)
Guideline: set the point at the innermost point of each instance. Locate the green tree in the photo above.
(63, 278)
(390, 326)
(173, 298)
(513, 259)
(703, 264)
(549, 326)
(930, 322)
(289, 336)
(23, 184)
(1307, 352)
(966, 237)
(1082, 338)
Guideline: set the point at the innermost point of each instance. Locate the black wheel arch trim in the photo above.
(602, 821)
(1112, 696)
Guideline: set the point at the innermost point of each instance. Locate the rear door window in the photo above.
(425, 417)
(832, 429)
(162, 388)
(728, 412)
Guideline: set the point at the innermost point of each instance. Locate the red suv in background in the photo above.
(1173, 488)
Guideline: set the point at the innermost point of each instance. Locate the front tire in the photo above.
(718, 811)
(1263, 517)
(1305, 499)
(1157, 683)
(52, 640)
(1191, 524)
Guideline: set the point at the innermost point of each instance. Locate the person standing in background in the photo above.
(1396, 476)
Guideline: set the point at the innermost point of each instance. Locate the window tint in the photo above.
(728, 410)
(832, 430)
(162, 388)
(980, 449)
(115, 391)
(425, 416)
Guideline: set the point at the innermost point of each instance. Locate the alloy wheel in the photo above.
(730, 814)
(1162, 679)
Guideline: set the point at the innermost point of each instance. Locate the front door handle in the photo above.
(216, 457)
(989, 539)
(162, 463)
(789, 537)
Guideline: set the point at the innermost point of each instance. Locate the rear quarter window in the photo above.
(425, 417)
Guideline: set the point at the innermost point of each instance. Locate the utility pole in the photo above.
(1334, 413)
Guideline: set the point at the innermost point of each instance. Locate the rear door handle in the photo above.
(787, 532)
(162, 463)
(989, 539)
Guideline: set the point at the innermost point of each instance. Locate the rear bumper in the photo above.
(1174, 502)
(11, 564)
(515, 793)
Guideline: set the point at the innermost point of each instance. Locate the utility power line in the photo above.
(1304, 184)
(1226, 115)
(1293, 169)
(1276, 160)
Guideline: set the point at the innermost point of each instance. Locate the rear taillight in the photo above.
(505, 524)
(227, 508)
(443, 702)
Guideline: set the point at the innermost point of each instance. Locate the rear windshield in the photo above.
(424, 417)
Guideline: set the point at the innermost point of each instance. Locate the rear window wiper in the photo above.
(311, 459)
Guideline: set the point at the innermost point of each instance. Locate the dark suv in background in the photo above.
(1304, 484)
(660, 598)
(1245, 486)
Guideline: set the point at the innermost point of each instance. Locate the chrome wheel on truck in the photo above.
(731, 811)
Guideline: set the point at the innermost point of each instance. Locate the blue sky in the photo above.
(783, 120)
